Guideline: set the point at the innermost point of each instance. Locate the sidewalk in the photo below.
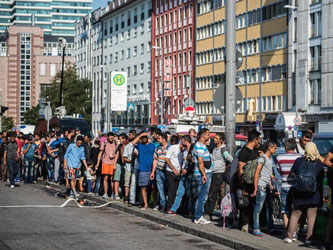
(232, 238)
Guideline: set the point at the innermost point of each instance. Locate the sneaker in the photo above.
(105, 196)
(90, 193)
(112, 196)
(202, 221)
(117, 197)
(295, 237)
(308, 242)
(245, 228)
(71, 196)
(34, 182)
(171, 212)
(12, 186)
(76, 195)
(17, 181)
(156, 208)
(258, 233)
(287, 240)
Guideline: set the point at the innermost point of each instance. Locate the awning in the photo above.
(285, 121)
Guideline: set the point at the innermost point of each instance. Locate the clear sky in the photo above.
(98, 3)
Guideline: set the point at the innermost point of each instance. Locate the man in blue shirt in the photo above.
(72, 162)
(146, 152)
(29, 150)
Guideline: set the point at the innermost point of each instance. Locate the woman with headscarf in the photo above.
(306, 201)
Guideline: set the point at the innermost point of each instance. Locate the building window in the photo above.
(53, 69)
(142, 67)
(315, 86)
(42, 67)
(135, 50)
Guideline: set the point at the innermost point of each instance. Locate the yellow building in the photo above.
(261, 37)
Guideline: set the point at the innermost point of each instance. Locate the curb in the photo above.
(205, 234)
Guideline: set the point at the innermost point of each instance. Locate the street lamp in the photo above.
(63, 44)
(162, 83)
(108, 99)
(290, 7)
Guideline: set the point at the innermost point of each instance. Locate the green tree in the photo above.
(7, 123)
(76, 93)
(32, 115)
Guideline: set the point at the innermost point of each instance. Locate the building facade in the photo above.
(56, 17)
(28, 62)
(310, 71)
(173, 40)
(261, 37)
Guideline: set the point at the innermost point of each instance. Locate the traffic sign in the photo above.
(131, 106)
(48, 112)
(239, 59)
(189, 102)
(220, 98)
(298, 121)
(190, 109)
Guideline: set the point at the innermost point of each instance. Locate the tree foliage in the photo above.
(32, 115)
(7, 123)
(76, 93)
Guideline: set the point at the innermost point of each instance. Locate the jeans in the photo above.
(12, 169)
(184, 186)
(89, 185)
(18, 173)
(29, 170)
(173, 182)
(217, 181)
(160, 182)
(263, 195)
(50, 168)
(97, 185)
(56, 169)
(133, 186)
(201, 192)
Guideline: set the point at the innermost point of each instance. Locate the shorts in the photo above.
(117, 173)
(74, 173)
(286, 200)
(107, 169)
(127, 178)
(144, 179)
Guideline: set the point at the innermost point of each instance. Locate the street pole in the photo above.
(62, 73)
(108, 101)
(162, 89)
(231, 76)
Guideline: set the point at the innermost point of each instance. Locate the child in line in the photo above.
(91, 176)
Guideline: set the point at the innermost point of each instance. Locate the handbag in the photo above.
(208, 164)
(242, 201)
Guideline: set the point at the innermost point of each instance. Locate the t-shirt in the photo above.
(220, 156)
(74, 155)
(109, 148)
(201, 150)
(159, 155)
(246, 154)
(119, 160)
(54, 145)
(146, 155)
(31, 152)
(11, 149)
(266, 170)
(128, 150)
(175, 156)
(285, 163)
(300, 150)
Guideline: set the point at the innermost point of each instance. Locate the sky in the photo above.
(98, 3)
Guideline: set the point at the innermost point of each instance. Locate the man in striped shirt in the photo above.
(285, 162)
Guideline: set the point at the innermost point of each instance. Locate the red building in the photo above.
(173, 38)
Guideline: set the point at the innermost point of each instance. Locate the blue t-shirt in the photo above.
(146, 155)
(201, 150)
(54, 145)
(31, 152)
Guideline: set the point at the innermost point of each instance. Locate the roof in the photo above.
(116, 7)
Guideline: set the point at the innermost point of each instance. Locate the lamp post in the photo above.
(162, 84)
(62, 42)
(108, 99)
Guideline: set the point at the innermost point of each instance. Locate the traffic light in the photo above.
(3, 110)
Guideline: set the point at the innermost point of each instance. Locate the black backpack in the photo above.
(306, 177)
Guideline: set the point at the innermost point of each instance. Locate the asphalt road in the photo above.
(80, 228)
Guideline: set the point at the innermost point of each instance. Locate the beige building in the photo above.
(28, 62)
(261, 37)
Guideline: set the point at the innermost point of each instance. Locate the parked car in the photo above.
(324, 142)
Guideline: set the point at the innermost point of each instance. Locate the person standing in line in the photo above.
(128, 164)
(11, 156)
(29, 150)
(202, 175)
(107, 155)
(146, 154)
(220, 158)
(193, 135)
(174, 160)
(94, 157)
(306, 138)
(285, 163)
(72, 163)
(158, 171)
(119, 165)
(4, 169)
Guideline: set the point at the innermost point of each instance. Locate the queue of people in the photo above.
(172, 173)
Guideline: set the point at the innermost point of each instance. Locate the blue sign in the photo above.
(115, 129)
(299, 134)
(161, 127)
(131, 106)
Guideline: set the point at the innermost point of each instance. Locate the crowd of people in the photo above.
(175, 173)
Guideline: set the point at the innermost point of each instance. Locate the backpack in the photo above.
(306, 178)
(226, 207)
(249, 170)
(230, 171)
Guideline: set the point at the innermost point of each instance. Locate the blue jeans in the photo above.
(29, 170)
(97, 185)
(18, 173)
(89, 184)
(12, 170)
(263, 195)
(184, 186)
(160, 182)
(50, 168)
(134, 179)
(201, 192)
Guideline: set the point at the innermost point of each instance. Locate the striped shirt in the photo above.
(159, 155)
(200, 150)
(285, 163)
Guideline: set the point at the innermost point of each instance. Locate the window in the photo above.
(315, 91)
(135, 51)
(135, 32)
(142, 67)
(135, 70)
(122, 55)
(128, 52)
(148, 67)
(142, 48)
(128, 71)
(42, 69)
(53, 69)
(142, 29)
(141, 87)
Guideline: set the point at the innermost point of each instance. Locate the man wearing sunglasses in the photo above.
(306, 138)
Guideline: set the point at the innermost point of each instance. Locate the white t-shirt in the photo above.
(175, 156)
